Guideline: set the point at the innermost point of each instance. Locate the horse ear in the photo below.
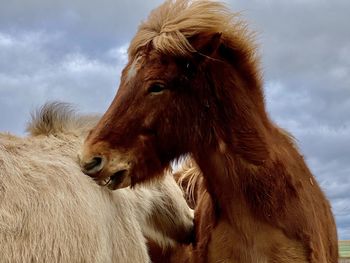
(206, 44)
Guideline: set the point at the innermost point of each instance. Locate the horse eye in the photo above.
(156, 88)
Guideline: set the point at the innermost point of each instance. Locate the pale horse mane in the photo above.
(51, 212)
(57, 118)
(189, 177)
(170, 27)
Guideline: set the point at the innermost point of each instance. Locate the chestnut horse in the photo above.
(193, 86)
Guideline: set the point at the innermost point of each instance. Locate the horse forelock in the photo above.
(170, 27)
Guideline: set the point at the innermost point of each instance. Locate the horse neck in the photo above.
(221, 179)
(241, 138)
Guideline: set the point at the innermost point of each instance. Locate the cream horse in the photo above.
(51, 212)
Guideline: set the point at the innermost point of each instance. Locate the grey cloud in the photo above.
(31, 74)
(88, 25)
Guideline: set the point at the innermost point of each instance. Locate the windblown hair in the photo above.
(59, 118)
(170, 26)
(189, 178)
(51, 212)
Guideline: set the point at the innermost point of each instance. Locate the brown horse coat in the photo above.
(193, 86)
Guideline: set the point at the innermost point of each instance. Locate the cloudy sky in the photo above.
(74, 50)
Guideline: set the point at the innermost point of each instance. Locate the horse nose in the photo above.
(93, 166)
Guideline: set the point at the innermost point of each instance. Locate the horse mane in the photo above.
(174, 27)
(170, 27)
(189, 178)
(55, 118)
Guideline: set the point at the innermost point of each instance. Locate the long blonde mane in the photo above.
(169, 27)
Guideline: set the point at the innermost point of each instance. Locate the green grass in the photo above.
(344, 249)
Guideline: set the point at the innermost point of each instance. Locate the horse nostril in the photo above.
(94, 166)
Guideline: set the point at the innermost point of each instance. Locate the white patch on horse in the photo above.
(222, 146)
(135, 66)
